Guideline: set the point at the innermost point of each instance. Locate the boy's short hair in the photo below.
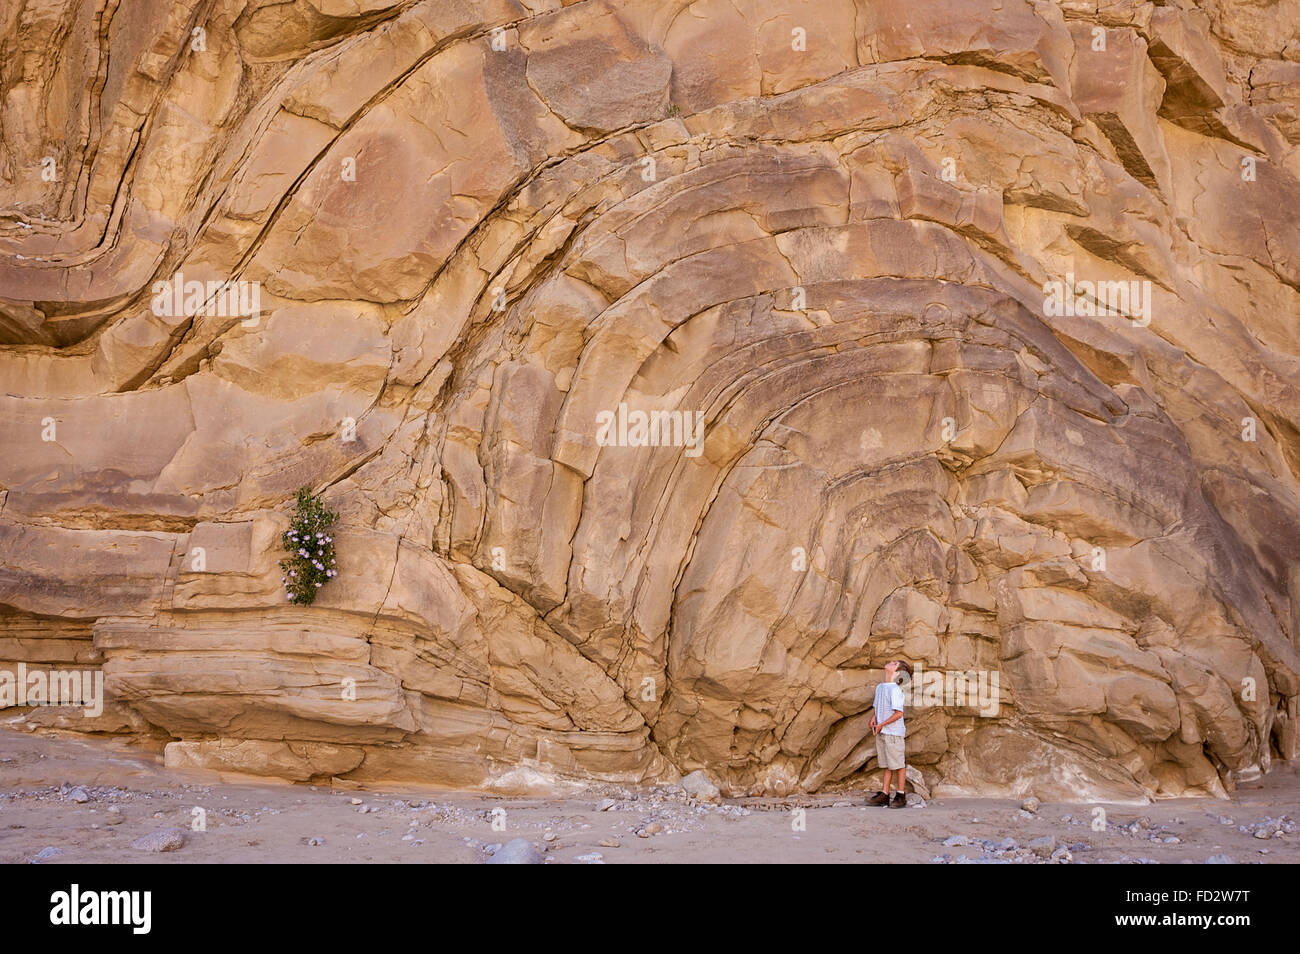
(905, 666)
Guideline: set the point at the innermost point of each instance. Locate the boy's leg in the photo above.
(881, 798)
(899, 755)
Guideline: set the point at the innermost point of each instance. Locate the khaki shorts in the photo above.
(889, 751)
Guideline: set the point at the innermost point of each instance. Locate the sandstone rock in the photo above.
(292, 760)
(813, 240)
(698, 786)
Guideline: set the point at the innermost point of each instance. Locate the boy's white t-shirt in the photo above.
(889, 699)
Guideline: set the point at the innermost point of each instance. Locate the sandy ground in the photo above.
(75, 801)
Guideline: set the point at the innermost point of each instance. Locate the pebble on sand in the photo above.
(517, 851)
(167, 839)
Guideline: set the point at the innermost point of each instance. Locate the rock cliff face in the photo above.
(476, 246)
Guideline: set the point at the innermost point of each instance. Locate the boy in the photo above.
(887, 726)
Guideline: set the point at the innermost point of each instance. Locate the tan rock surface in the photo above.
(824, 227)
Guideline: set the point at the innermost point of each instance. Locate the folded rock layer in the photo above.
(672, 366)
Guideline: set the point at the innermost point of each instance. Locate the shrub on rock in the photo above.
(311, 562)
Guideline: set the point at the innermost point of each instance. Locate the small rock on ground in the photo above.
(698, 786)
(1043, 847)
(517, 851)
(168, 839)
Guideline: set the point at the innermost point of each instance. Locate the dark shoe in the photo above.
(879, 799)
(900, 801)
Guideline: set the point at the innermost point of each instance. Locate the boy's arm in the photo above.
(896, 699)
